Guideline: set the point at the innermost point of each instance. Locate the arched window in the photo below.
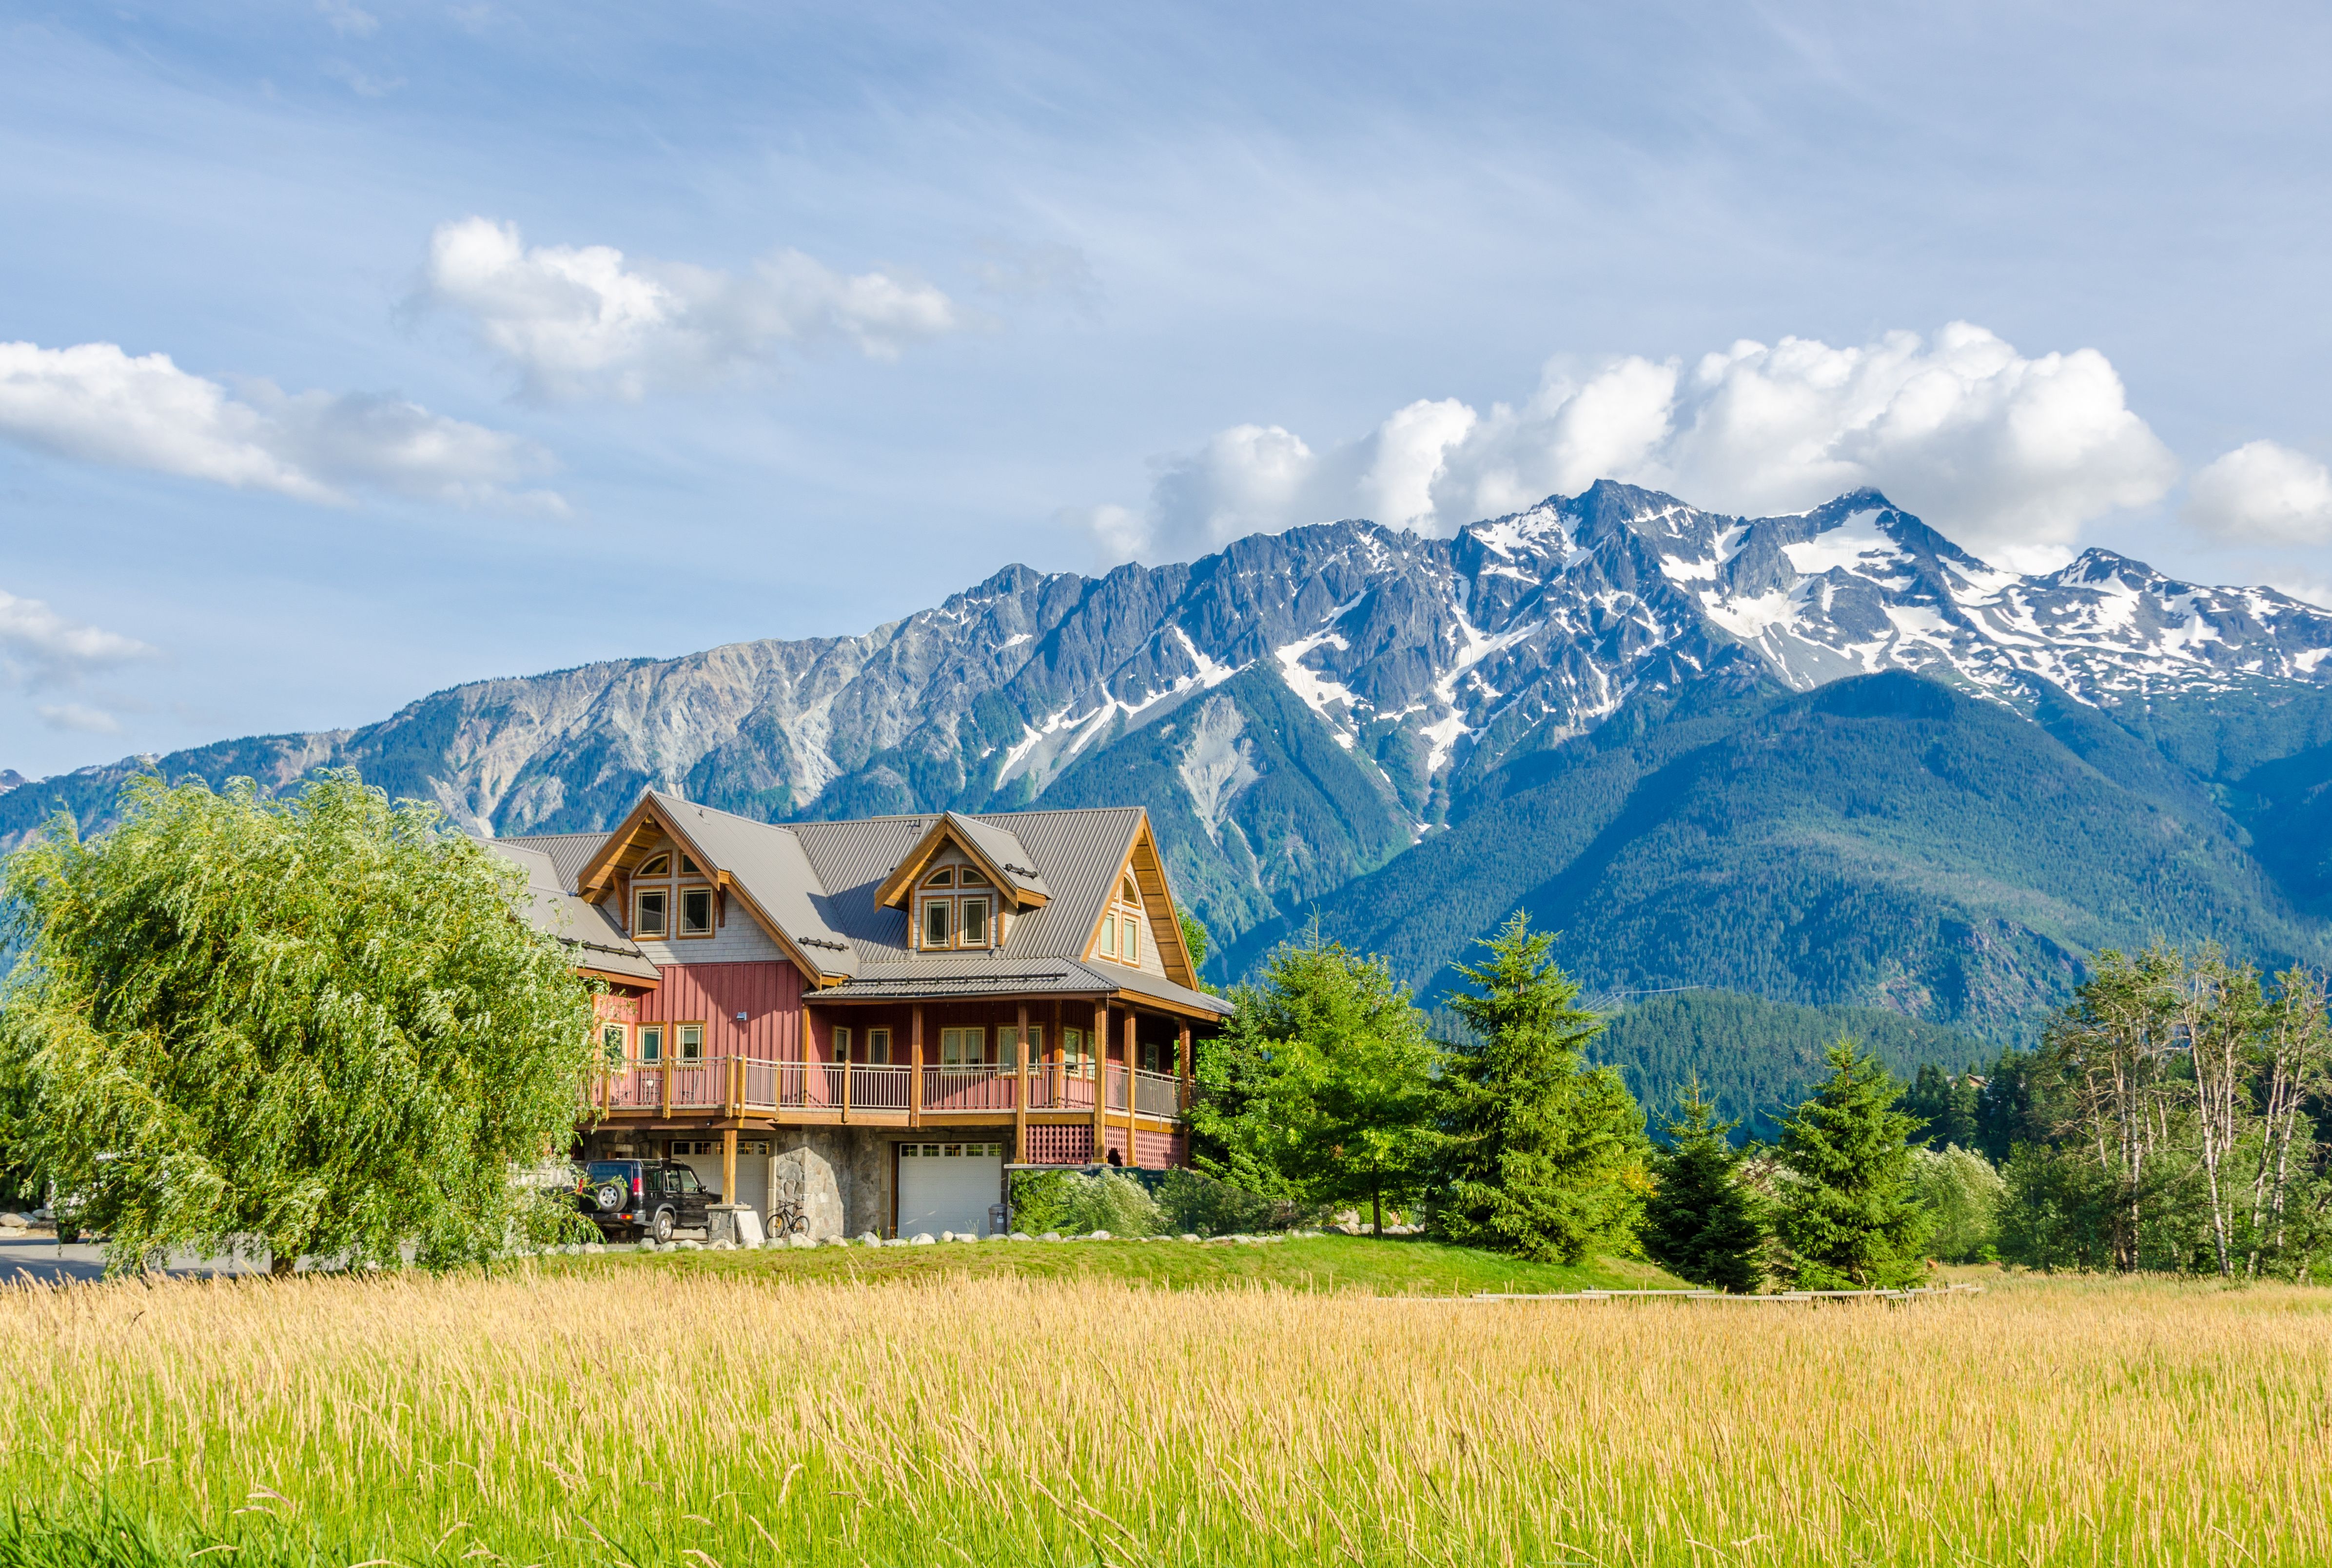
(660, 865)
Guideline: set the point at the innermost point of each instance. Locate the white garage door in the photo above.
(948, 1186)
(703, 1157)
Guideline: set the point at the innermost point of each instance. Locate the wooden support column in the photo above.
(1060, 1051)
(663, 1074)
(1099, 1042)
(915, 1074)
(729, 1165)
(845, 1061)
(1020, 1090)
(1184, 1068)
(1132, 1094)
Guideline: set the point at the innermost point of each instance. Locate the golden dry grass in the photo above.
(734, 1420)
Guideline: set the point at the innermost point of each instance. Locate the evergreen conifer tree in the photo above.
(1848, 1214)
(1545, 1154)
(1699, 1222)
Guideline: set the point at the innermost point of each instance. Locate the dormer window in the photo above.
(651, 908)
(661, 866)
(688, 867)
(1121, 924)
(946, 920)
(974, 878)
(943, 877)
(939, 922)
(695, 911)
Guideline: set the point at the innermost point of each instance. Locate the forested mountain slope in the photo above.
(1687, 738)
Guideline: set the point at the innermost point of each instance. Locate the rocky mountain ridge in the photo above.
(1296, 709)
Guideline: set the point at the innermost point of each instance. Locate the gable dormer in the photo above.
(1137, 924)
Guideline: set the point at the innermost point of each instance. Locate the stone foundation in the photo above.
(838, 1174)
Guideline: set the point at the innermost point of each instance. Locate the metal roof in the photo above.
(817, 881)
(767, 860)
(584, 927)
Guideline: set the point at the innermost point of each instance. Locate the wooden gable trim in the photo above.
(1142, 861)
(592, 882)
(898, 887)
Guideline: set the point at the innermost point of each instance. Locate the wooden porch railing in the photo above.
(737, 1084)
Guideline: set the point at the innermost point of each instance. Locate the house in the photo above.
(869, 1022)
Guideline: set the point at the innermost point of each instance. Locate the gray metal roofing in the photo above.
(1080, 852)
(818, 880)
(583, 927)
(973, 974)
(769, 863)
(1003, 847)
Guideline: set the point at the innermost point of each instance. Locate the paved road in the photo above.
(42, 1259)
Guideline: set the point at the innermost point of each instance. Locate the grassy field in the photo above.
(717, 1412)
(1330, 1263)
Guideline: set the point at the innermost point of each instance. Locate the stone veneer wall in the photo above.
(841, 1173)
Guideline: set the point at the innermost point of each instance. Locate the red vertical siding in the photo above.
(768, 993)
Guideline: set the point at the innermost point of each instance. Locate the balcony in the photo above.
(826, 1091)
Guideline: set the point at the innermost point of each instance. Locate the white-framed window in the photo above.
(613, 1038)
(1008, 1044)
(972, 876)
(943, 877)
(972, 921)
(658, 865)
(1150, 1056)
(696, 912)
(878, 1047)
(1109, 936)
(1129, 943)
(651, 911)
(842, 1042)
(1073, 1050)
(939, 922)
(688, 867)
(963, 1048)
(689, 1039)
(652, 1042)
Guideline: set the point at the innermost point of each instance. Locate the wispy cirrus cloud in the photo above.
(44, 652)
(584, 321)
(96, 403)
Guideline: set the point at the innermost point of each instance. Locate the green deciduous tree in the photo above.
(1319, 1088)
(1545, 1154)
(1850, 1218)
(311, 1025)
(1961, 1194)
(1700, 1222)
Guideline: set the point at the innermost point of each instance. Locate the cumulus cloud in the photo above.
(583, 321)
(41, 650)
(95, 403)
(2263, 494)
(2008, 453)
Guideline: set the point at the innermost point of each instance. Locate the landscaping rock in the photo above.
(868, 1239)
(595, 1246)
(1098, 1236)
(994, 1236)
(1022, 1236)
(1051, 1235)
(688, 1246)
(15, 1221)
(923, 1238)
(947, 1236)
(800, 1241)
(895, 1241)
(1187, 1236)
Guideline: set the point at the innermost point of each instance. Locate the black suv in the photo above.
(628, 1198)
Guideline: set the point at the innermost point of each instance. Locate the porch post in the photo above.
(1060, 1051)
(1020, 1090)
(1132, 1095)
(1099, 1040)
(846, 1074)
(1183, 1067)
(729, 1165)
(915, 1071)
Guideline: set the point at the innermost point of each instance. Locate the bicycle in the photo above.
(788, 1219)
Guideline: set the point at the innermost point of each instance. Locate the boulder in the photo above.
(923, 1238)
(1050, 1235)
(1022, 1236)
(868, 1239)
(800, 1241)
(1188, 1237)
(14, 1221)
(1098, 1236)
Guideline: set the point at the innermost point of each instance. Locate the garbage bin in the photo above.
(999, 1218)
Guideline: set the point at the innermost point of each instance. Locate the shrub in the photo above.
(1074, 1204)
(1961, 1195)
(1196, 1203)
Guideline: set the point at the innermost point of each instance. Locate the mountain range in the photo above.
(1828, 758)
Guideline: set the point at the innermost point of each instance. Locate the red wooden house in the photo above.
(872, 1019)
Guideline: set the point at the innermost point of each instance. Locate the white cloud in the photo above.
(579, 320)
(97, 404)
(347, 19)
(2011, 455)
(2263, 494)
(38, 647)
(78, 717)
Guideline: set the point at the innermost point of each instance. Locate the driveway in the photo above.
(43, 1261)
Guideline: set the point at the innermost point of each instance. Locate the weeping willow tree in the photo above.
(311, 1025)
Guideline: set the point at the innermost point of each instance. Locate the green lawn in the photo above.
(1392, 1266)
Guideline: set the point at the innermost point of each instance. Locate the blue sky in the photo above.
(352, 350)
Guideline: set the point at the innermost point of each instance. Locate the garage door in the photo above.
(703, 1157)
(948, 1186)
